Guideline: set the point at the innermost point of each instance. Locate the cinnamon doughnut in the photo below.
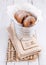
(20, 15)
(29, 21)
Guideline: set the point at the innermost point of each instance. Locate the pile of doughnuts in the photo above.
(25, 18)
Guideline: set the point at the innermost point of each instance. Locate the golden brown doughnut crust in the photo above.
(25, 18)
(29, 21)
(20, 15)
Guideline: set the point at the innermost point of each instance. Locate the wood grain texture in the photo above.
(11, 63)
(41, 4)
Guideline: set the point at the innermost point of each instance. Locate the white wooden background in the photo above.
(4, 22)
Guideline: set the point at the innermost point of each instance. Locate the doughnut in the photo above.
(21, 15)
(29, 21)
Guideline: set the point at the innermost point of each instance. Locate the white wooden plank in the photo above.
(21, 63)
(2, 8)
(20, 1)
(2, 63)
(10, 63)
(3, 44)
(42, 34)
(23, 1)
(3, 12)
(35, 62)
(42, 59)
(9, 2)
